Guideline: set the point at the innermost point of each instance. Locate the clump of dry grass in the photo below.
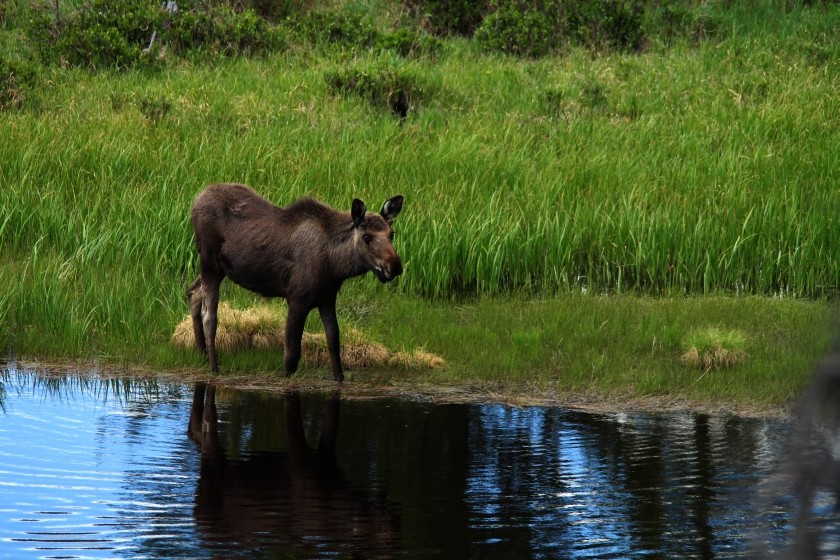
(263, 327)
(714, 348)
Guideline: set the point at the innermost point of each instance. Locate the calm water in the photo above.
(116, 469)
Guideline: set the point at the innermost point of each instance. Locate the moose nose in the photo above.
(396, 267)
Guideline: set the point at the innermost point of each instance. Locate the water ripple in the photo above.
(92, 473)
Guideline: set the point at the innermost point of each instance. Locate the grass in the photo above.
(714, 348)
(262, 327)
(644, 180)
(615, 346)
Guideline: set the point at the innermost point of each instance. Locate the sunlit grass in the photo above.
(263, 327)
(614, 345)
(714, 348)
(680, 171)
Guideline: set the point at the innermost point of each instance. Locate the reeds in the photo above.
(681, 171)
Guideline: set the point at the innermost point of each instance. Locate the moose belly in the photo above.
(262, 277)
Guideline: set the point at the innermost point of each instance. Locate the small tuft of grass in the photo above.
(714, 348)
(262, 327)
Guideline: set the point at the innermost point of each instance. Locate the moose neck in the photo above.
(344, 257)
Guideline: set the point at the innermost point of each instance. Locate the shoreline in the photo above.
(376, 385)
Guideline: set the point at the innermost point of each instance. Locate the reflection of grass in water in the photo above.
(65, 384)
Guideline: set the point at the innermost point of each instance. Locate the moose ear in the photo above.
(358, 211)
(391, 208)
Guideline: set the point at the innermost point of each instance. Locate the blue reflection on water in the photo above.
(81, 469)
(599, 486)
(103, 468)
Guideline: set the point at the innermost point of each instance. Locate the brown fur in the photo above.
(302, 253)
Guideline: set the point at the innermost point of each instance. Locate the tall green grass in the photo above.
(689, 169)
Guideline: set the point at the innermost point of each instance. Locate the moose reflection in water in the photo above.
(299, 496)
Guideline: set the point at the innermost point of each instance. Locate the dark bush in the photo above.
(274, 10)
(219, 30)
(342, 29)
(593, 96)
(520, 29)
(669, 21)
(536, 27)
(586, 97)
(382, 86)
(154, 109)
(672, 21)
(446, 17)
(100, 33)
(16, 79)
(606, 24)
(410, 42)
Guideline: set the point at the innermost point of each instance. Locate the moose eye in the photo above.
(391, 236)
(367, 239)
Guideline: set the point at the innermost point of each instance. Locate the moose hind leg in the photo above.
(195, 296)
(295, 321)
(209, 321)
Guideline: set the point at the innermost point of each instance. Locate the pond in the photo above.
(94, 467)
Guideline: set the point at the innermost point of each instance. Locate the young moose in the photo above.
(302, 253)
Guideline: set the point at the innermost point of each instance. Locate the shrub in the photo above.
(100, 33)
(535, 27)
(274, 10)
(606, 24)
(155, 109)
(409, 42)
(519, 30)
(382, 86)
(15, 81)
(585, 97)
(445, 17)
(220, 30)
(670, 22)
(342, 29)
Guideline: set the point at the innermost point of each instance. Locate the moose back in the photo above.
(302, 253)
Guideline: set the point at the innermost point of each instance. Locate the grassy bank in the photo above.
(689, 169)
(612, 352)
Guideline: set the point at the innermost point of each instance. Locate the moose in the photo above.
(303, 253)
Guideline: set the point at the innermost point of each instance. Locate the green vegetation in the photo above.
(714, 348)
(615, 346)
(697, 159)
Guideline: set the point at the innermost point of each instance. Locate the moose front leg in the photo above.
(295, 321)
(328, 318)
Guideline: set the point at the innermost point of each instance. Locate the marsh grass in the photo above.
(714, 348)
(621, 346)
(706, 168)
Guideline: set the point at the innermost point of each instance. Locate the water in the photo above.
(97, 468)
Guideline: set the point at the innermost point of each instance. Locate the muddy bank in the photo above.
(410, 386)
